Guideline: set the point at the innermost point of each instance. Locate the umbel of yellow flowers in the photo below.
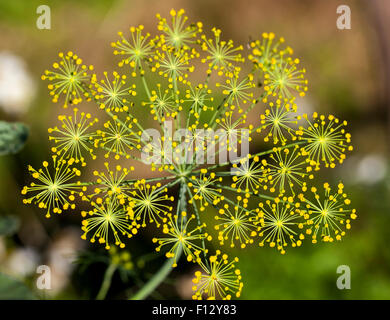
(196, 80)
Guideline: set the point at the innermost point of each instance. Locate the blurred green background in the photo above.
(348, 73)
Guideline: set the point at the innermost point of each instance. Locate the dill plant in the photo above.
(195, 80)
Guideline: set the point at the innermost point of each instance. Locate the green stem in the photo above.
(106, 281)
(131, 181)
(199, 223)
(212, 122)
(156, 280)
(166, 268)
(145, 86)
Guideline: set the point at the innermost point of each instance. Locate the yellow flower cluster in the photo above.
(191, 79)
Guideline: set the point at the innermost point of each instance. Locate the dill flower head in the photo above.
(112, 182)
(287, 169)
(326, 139)
(112, 94)
(163, 104)
(249, 175)
(200, 99)
(281, 223)
(236, 224)
(67, 79)
(107, 221)
(221, 55)
(267, 50)
(220, 279)
(117, 138)
(205, 190)
(137, 50)
(206, 184)
(281, 79)
(278, 122)
(74, 137)
(238, 91)
(181, 236)
(329, 214)
(54, 190)
(149, 203)
(178, 34)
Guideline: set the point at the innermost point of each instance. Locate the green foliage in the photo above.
(12, 137)
(8, 225)
(12, 289)
(14, 12)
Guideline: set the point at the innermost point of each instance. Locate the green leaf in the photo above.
(12, 137)
(12, 289)
(8, 225)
